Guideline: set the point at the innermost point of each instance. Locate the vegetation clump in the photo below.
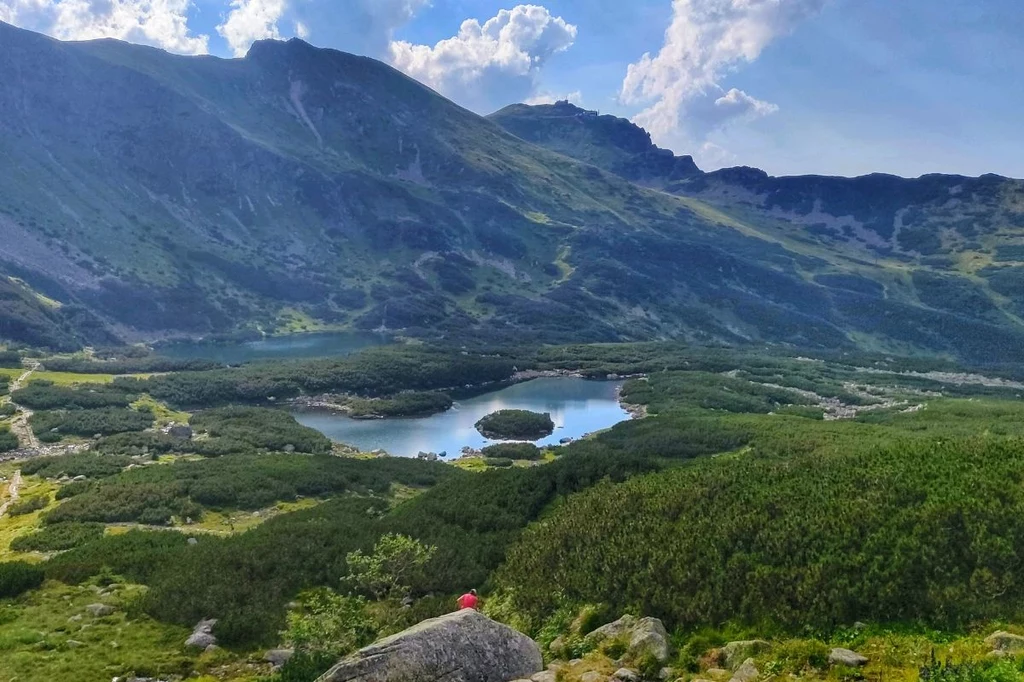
(515, 425)
(514, 451)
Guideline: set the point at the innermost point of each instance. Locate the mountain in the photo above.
(146, 195)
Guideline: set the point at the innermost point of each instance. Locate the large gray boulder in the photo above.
(1005, 642)
(202, 635)
(649, 638)
(840, 656)
(735, 653)
(465, 646)
(747, 672)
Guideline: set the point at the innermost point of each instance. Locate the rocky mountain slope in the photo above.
(166, 195)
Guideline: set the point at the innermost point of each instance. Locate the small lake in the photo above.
(294, 346)
(577, 407)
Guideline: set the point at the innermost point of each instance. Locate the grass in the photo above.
(14, 526)
(47, 635)
(71, 379)
(163, 414)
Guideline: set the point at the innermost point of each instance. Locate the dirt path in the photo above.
(19, 425)
(12, 493)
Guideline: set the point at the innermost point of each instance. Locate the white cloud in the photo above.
(575, 97)
(160, 23)
(251, 20)
(488, 65)
(680, 86)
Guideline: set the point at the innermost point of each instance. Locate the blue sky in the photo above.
(792, 86)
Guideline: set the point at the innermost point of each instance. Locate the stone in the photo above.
(180, 431)
(289, 448)
(278, 657)
(1005, 642)
(614, 630)
(557, 647)
(734, 653)
(747, 672)
(718, 673)
(202, 635)
(840, 656)
(193, 541)
(626, 675)
(545, 676)
(464, 646)
(74, 643)
(593, 676)
(99, 610)
(649, 638)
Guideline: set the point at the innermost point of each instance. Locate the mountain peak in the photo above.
(609, 142)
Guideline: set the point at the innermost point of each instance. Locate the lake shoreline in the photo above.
(579, 406)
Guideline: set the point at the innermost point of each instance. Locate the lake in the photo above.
(577, 407)
(293, 346)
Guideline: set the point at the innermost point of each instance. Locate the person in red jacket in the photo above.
(468, 600)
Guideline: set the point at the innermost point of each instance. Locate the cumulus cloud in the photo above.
(160, 23)
(249, 21)
(361, 26)
(680, 87)
(490, 64)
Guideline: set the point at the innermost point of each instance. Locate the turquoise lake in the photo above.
(577, 407)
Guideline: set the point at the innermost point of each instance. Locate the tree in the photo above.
(327, 624)
(389, 573)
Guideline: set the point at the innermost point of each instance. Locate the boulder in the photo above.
(1005, 642)
(643, 635)
(840, 656)
(465, 646)
(99, 610)
(734, 653)
(546, 676)
(616, 630)
(747, 672)
(278, 657)
(202, 635)
(180, 431)
(626, 675)
(649, 638)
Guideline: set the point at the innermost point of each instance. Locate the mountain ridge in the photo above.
(299, 186)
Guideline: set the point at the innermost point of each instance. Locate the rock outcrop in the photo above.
(202, 635)
(643, 636)
(734, 653)
(464, 646)
(1003, 642)
(747, 672)
(840, 656)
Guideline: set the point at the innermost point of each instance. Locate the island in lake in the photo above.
(516, 425)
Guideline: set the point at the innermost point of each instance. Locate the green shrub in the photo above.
(520, 451)
(58, 538)
(17, 577)
(260, 428)
(28, 505)
(8, 440)
(771, 538)
(46, 396)
(104, 421)
(79, 464)
(498, 462)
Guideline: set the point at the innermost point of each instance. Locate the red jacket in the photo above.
(468, 601)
